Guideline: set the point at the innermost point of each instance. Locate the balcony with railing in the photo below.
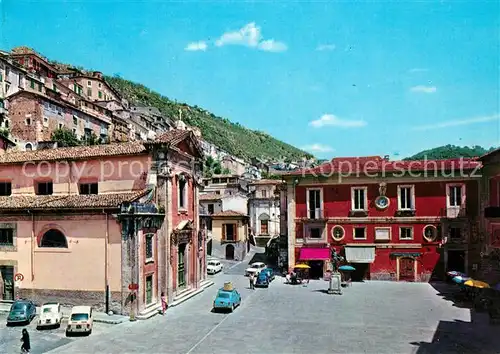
(312, 214)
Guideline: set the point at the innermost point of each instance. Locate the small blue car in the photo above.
(270, 273)
(262, 279)
(21, 311)
(227, 300)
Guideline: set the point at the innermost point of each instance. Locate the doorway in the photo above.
(7, 276)
(361, 272)
(149, 289)
(316, 271)
(456, 261)
(230, 252)
(181, 270)
(406, 269)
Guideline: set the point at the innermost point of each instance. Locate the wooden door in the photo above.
(406, 269)
(181, 267)
(149, 289)
(230, 252)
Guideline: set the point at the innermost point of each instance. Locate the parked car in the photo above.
(270, 273)
(255, 268)
(21, 311)
(262, 279)
(81, 320)
(214, 267)
(227, 300)
(50, 315)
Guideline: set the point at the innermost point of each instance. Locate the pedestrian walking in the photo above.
(164, 303)
(251, 277)
(25, 339)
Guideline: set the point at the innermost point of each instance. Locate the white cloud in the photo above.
(271, 45)
(195, 46)
(317, 148)
(324, 47)
(458, 122)
(418, 70)
(423, 89)
(250, 36)
(330, 119)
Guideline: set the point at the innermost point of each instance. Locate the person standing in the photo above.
(251, 277)
(26, 346)
(164, 303)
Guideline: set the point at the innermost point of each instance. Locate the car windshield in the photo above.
(19, 307)
(212, 263)
(48, 310)
(224, 295)
(79, 317)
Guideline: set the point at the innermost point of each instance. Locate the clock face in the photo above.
(382, 202)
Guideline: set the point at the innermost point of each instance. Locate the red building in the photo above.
(392, 220)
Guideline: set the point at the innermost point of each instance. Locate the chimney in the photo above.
(386, 157)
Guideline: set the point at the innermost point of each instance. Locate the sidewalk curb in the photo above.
(113, 321)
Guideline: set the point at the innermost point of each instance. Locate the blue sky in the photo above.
(338, 78)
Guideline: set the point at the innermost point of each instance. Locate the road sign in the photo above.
(133, 286)
(18, 277)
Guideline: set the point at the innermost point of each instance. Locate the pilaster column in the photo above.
(291, 224)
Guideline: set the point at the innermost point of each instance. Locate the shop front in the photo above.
(317, 258)
(361, 257)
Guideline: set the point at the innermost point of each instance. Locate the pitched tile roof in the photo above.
(74, 201)
(173, 136)
(367, 165)
(266, 181)
(73, 153)
(229, 213)
(211, 196)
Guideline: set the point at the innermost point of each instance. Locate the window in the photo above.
(61, 125)
(359, 233)
(89, 188)
(28, 147)
(229, 232)
(75, 120)
(406, 197)
(74, 131)
(99, 85)
(39, 87)
(455, 196)
(382, 233)
(211, 208)
(182, 189)
(32, 84)
(264, 227)
(5, 188)
(314, 203)
(406, 233)
(44, 188)
(28, 121)
(315, 233)
(99, 94)
(149, 247)
(89, 92)
(263, 193)
(6, 237)
(54, 87)
(89, 83)
(359, 198)
(7, 87)
(455, 233)
(54, 239)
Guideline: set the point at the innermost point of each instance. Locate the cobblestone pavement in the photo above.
(371, 317)
(42, 341)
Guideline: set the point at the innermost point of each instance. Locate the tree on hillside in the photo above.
(65, 137)
(450, 152)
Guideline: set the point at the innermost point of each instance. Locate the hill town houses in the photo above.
(84, 223)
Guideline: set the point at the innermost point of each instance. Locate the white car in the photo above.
(81, 320)
(50, 315)
(214, 267)
(255, 268)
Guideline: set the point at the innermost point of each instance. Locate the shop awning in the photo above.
(314, 254)
(360, 254)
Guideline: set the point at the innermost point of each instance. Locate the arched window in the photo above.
(28, 147)
(54, 239)
(264, 224)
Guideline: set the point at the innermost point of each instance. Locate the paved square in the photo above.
(371, 317)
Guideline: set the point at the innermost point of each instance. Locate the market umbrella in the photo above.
(455, 273)
(460, 279)
(301, 266)
(347, 268)
(476, 284)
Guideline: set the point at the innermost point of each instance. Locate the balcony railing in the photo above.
(313, 214)
(454, 212)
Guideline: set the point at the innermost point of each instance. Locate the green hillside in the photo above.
(449, 152)
(231, 137)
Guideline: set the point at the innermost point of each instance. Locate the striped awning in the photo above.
(360, 254)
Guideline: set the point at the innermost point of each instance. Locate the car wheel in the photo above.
(233, 307)
(67, 334)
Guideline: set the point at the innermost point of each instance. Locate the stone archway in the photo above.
(230, 252)
(53, 238)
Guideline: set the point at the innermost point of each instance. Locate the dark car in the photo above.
(262, 280)
(21, 311)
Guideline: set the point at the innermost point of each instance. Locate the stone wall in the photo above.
(69, 298)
